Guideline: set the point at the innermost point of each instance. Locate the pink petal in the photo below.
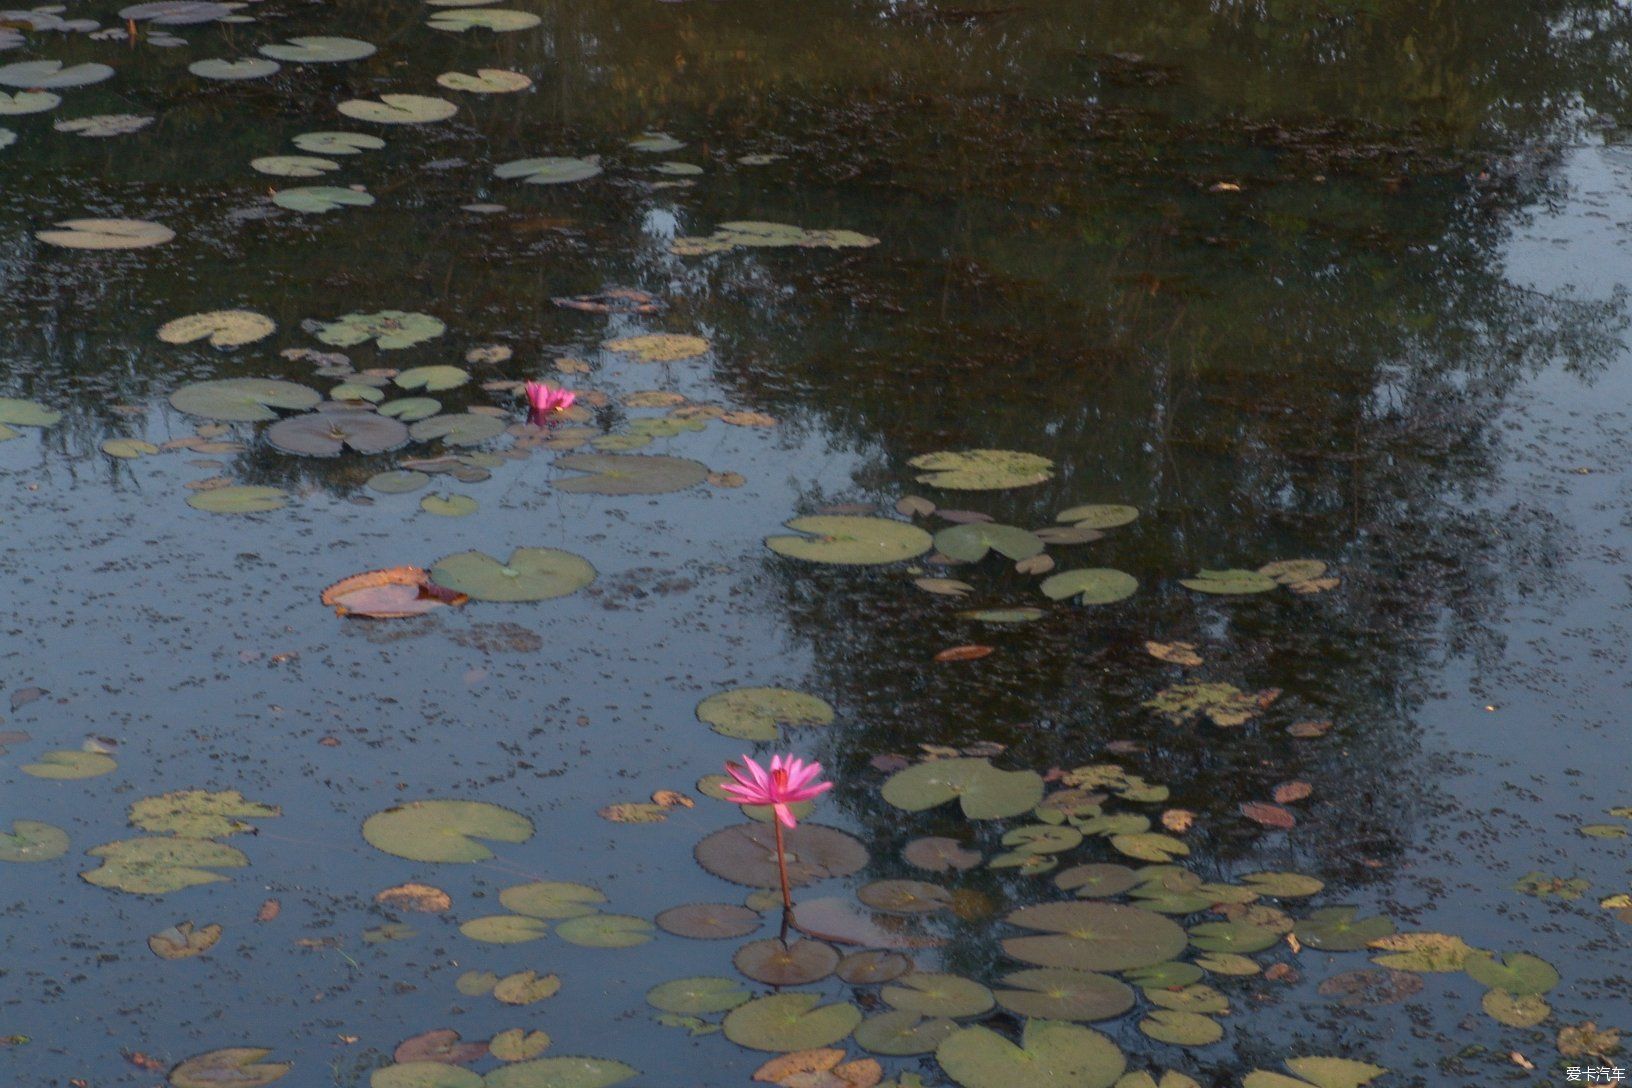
(761, 779)
(785, 816)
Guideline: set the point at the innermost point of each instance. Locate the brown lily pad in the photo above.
(746, 854)
(441, 1045)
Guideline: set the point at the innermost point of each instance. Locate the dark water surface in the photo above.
(1339, 281)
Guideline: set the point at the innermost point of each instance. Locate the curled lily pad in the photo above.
(51, 75)
(1093, 936)
(982, 470)
(239, 499)
(159, 865)
(549, 170)
(444, 830)
(1090, 585)
(27, 413)
(566, 1072)
(629, 474)
(317, 199)
(605, 930)
(433, 379)
(337, 143)
(104, 233)
(1061, 994)
(32, 840)
(498, 20)
(850, 540)
(790, 1021)
(709, 921)
(786, 963)
(327, 434)
(223, 328)
(485, 81)
(389, 329)
(242, 400)
(983, 791)
(746, 854)
(246, 68)
(318, 50)
(399, 109)
(239, 1066)
(393, 593)
(971, 541)
(934, 994)
(295, 166)
(755, 713)
(1058, 1054)
(697, 996)
(458, 428)
(530, 574)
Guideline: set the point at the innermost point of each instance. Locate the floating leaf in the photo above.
(930, 994)
(1283, 885)
(26, 413)
(318, 50)
(1224, 704)
(399, 109)
(1422, 952)
(448, 505)
(423, 1075)
(317, 199)
(1181, 1028)
(104, 125)
(709, 921)
(530, 574)
(1050, 1052)
(224, 328)
(239, 1066)
(504, 929)
(176, 12)
(1096, 881)
(102, 233)
(902, 1033)
(1518, 973)
(433, 379)
(1059, 994)
(1338, 929)
(458, 428)
(389, 594)
(790, 1021)
(32, 840)
(621, 474)
(982, 470)
(872, 967)
(1098, 515)
(982, 791)
(1265, 814)
(442, 1045)
(904, 896)
(552, 899)
(485, 81)
(411, 896)
(1232, 937)
(605, 930)
(160, 865)
(199, 814)
(499, 20)
(526, 988)
(1544, 886)
(697, 996)
(247, 68)
(1372, 986)
(573, 1072)
(411, 409)
(1229, 582)
(242, 400)
(656, 142)
(22, 102)
(297, 166)
(1335, 1072)
(549, 170)
(1090, 585)
(337, 143)
(782, 963)
(444, 830)
(1093, 936)
(67, 765)
(182, 941)
(851, 540)
(328, 434)
(1515, 1010)
(940, 854)
(970, 542)
(239, 500)
(746, 854)
(518, 1044)
(51, 75)
(755, 713)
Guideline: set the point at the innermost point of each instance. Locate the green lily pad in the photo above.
(337, 143)
(697, 996)
(328, 434)
(318, 50)
(160, 865)
(51, 75)
(240, 499)
(1431, 952)
(1332, 1072)
(850, 540)
(396, 481)
(1515, 1010)
(970, 542)
(223, 328)
(1518, 973)
(530, 574)
(709, 921)
(15, 105)
(433, 379)
(605, 930)
(982, 791)
(1162, 976)
(1098, 515)
(1194, 997)
(317, 199)
(628, 474)
(485, 81)
(458, 428)
(655, 142)
(70, 764)
(1229, 582)
(564, 1072)
(1170, 1079)
(902, 1033)
(243, 400)
(32, 840)
(448, 505)
(426, 1074)
(1096, 881)
(746, 854)
(904, 896)
(199, 814)
(982, 470)
(1283, 885)
(1057, 1054)
(498, 20)
(352, 391)
(104, 233)
(1338, 929)
(1090, 585)
(246, 68)
(504, 929)
(552, 899)
(931, 994)
(239, 1066)
(444, 830)
(786, 963)
(1181, 1028)
(1092, 936)
(399, 109)
(26, 413)
(295, 166)
(790, 1021)
(104, 125)
(1232, 937)
(1046, 993)
(411, 409)
(1043, 839)
(550, 170)
(755, 713)
(526, 988)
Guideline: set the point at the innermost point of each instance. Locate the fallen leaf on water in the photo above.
(970, 652)
(634, 812)
(421, 897)
(182, 941)
(269, 910)
(1178, 819)
(913, 506)
(1268, 815)
(727, 479)
(1307, 729)
(145, 1061)
(1174, 653)
(1585, 1039)
(1520, 1060)
(672, 799)
(1288, 792)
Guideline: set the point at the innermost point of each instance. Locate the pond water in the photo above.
(1341, 284)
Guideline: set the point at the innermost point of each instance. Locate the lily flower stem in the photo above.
(782, 868)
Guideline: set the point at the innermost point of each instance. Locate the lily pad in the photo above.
(790, 1021)
(399, 109)
(872, 967)
(1098, 515)
(448, 505)
(1046, 993)
(199, 814)
(1181, 1028)
(982, 470)
(389, 329)
(504, 929)
(498, 20)
(433, 379)
(27, 413)
(223, 328)
(746, 854)
(32, 840)
(177, 12)
(328, 434)
(902, 1033)
(1093, 936)
(183, 941)
(1339, 929)
(755, 713)
(485, 81)
(239, 1066)
(242, 400)
(239, 499)
(549, 170)
(530, 574)
(1283, 885)
(656, 142)
(295, 166)
(103, 233)
(982, 791)
(566, 1072)
(605, 930)
(444, 830)
(411, 409)
(23, 102)
(662, 347)
(318, 50)
(851, 540)
(317, 199)
(246, 68)
(628, 474)
(1232, 937)
(697, 996)
(1096, 881)
(70, 764)
(970, 542)
(425, 1074)
(904, 896)
(458, 428)
(103, 125)
(1431, 952)
(1229, 582)
(396, 481)
(1090, 585)
(709, 921)
(1057, 1054)
(553, 899)
(51, 75)
(526, 988)
(1515, 1010)
(337, 143)
(160, 865)
(786, 963)
(932, 994)
(1518, 973)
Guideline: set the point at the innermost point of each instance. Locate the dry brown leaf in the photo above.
(672, 799)
(420, 897)
(1174, 653)
(1178, 820)
(748, 419)
(1288, 792)
(1267, 815)
(727, 479)
(913, 506)
(970, 652)
(1308, 729)
(780, 1069)
(1036, 564)
(269, 911)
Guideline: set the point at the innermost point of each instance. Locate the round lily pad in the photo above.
(337, 143)
(1229, 582)
(176, 12)
(1181, 1028)
(327, 434)
(23, 102)
(982, 791)
(1096, 881)
(32, 840)
(628, 474)
(504, 929)
(660, 347)
(396, 481)
(790, 1021)
(709, 921)
(784, 963)
(1098, 515)
(530, 574)
(104, 233)
(553, 899)
(223, 328)
(27, 413)
(239, 1066)
(872, 967)
(448, 505)
(239, 499)
(104, 125)
(982, 470)
(318, 50)
(971, 541)
(939, 854)
(1160, 976)
(51, 75)
(70, 764)
(755, 713)
(444, 830)
(565, 1072)
(423, 1074)
(498, 20)
(605, 930)
(1340, 929)
(410, 409)
(746, 854)
(1515, 1010)
(485, 81)
(433, 379)
(902, 1033)
(656, 142)
(904, 896)
(850, 540)
(697, 996)
(1090, 585)
(1057, 1054)
(1056, 993)
(1094, 936)
(399, 109)
(317, 199)
(1283, 885)
(1232, 937)
(549, 170)
(294, 166)
(247, 68)
(1518, 973)
(458, 428)
(242, 400)
(934, 994)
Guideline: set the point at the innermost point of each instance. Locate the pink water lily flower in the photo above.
(789, 781)
(545, 400)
